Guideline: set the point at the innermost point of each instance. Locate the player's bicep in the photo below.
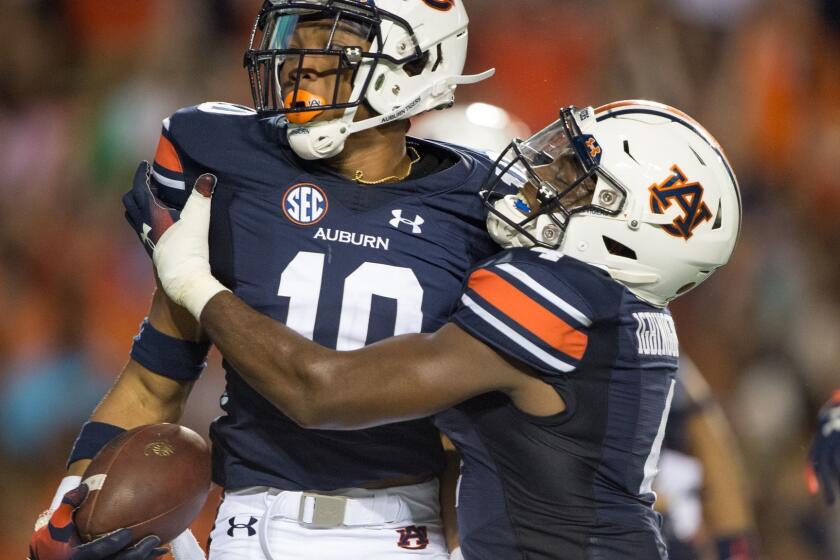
(407, 377)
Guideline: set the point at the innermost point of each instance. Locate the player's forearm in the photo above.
(142, 397)
(726, 490)
(277, 362)
(393, 380)
(710, 438)
(315, 386)
(138, 397)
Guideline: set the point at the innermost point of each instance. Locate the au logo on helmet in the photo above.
(442, 5)
(689, 196)
(305, 204)
(594, 148)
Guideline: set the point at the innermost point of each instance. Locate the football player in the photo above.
(329, 220)
(700, 474)
(561, 351)
(825, 450)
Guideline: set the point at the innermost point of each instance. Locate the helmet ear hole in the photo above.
(416, 67)
(439, 59)
(618, 249)
(718, 218)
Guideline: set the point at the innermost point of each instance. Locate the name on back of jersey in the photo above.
(656, 334)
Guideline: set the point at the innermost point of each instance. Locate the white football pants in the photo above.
(263, 523)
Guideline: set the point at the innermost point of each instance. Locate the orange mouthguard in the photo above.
(303, 99)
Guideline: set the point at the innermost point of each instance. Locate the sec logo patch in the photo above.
(305, 204)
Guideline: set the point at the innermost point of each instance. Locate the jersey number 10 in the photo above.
(301, 283)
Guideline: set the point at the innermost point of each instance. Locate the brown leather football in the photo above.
(153, 479)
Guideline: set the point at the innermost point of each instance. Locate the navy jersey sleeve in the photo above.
(168, 173)
(195, 140)
(524, 309)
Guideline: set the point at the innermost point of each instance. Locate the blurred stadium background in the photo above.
(85, 83)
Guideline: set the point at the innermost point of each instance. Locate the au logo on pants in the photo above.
(413, 537)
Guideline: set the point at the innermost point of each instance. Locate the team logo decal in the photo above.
(413, 537)
(588, 147)
(689, 196)
(159, 448)
(248, 527)
(413, 224)
(593, 147)
(305, 204)
(443, 5)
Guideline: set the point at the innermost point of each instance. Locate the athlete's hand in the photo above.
(56, 538)
(825, 450)
(149, 217)
(182, 253)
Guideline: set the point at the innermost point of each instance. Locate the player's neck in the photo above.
(374, 154)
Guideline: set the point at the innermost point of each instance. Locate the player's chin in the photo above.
(331, 115)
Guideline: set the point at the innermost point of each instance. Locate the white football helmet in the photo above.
(635, 187)
(405, 57)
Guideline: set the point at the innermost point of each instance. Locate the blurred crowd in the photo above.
(84, 85)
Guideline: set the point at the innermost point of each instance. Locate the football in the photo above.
(152, 479)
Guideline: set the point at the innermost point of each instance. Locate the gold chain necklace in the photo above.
(359, 175)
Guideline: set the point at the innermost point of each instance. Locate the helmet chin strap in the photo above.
(324, 140)
(313, 141)
(502, 233)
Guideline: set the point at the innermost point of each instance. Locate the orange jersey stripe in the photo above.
(544, 324)
(167, 157)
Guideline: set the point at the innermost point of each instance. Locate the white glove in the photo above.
(456, 554)
(182, 254)
(185, 547)
(67, 484)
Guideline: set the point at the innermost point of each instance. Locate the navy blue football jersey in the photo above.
(343, 264)
(576, 485)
